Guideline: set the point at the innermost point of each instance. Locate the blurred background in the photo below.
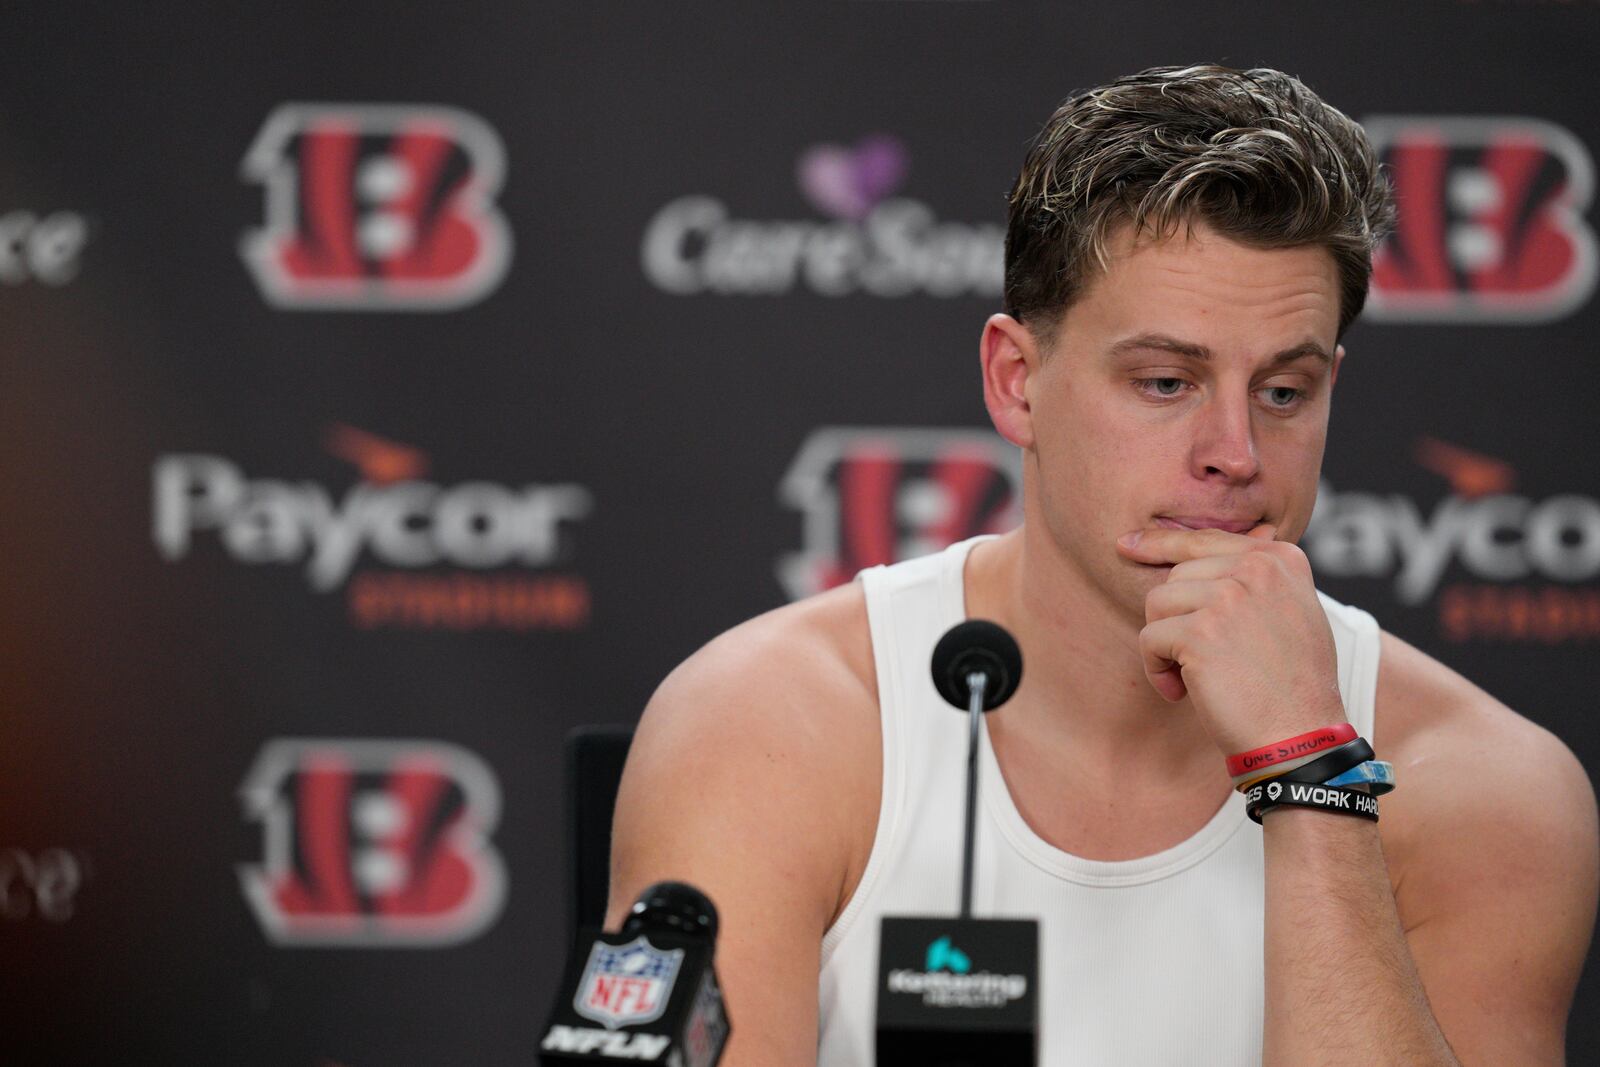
(387, 389)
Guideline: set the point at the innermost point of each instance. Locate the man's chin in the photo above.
(1136, 583)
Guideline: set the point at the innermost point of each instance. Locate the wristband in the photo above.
(1249, 778)
(1331, 764)
(1375, 776)
(1258, 759)
(1275, 794)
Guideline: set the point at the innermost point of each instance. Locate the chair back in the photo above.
(594, 759)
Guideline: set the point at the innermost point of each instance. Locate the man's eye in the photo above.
(1161, 386)
(1282, 396)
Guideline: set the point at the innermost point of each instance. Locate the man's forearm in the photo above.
(1341, 987)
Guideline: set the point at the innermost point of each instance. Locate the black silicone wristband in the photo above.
(1264, 796)
(1331, 764)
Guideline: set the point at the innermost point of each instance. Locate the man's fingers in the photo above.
(1205, 569)
(1158, 647)
(1180, 597)
(1161, 545)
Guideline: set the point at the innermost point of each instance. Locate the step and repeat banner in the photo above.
(389, 389)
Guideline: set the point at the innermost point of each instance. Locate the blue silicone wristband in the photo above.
(1375, 777)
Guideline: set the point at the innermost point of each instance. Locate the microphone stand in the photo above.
(977, 684)
(962, 990)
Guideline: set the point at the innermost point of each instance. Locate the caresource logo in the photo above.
(377, 207)
(393, 516)
(372, 843)
(1530, 563)
(866, 241)
(1491, 224)
(875, 494)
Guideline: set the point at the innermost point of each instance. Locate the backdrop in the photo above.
(389, 389)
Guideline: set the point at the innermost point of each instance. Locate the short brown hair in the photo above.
(1253, 153)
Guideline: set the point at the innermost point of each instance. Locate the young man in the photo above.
(1186, 247)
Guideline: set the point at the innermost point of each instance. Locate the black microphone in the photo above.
(957, 991)
(982, 647)
(651, 988)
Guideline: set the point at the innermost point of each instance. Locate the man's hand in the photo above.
(1237, 627)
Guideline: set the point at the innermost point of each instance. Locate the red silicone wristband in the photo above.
(1300, 745)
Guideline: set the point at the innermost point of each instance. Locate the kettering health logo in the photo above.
(948, 981)
(486, 536)
(942, 955)
(867, 240)
(1532, 562)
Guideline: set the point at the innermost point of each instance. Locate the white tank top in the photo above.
(1143, 962)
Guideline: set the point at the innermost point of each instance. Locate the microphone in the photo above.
(651, 987)
(982, 647)
(956, 991)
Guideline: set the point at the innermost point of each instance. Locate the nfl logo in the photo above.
(625, 984)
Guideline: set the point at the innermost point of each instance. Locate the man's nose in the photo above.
(1225, 443)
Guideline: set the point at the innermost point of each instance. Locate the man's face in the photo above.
(1184, 388)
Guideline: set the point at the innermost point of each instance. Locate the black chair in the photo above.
(594, 759)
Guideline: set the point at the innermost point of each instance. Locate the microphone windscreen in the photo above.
(674, 906)
(982, 646)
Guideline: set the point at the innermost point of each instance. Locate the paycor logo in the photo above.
(393, 517)
(1503, 540)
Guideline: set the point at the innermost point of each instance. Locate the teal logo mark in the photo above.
(942, 955)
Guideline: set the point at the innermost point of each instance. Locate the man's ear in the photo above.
(1338, 358)
(1009, 355)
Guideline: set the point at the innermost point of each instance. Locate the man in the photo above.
(1185, 249)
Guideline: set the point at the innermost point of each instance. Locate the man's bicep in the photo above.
(711, 796)
(1504, 905)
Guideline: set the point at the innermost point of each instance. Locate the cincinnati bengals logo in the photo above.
(1491, 225)
(376, 207)
(372, 843)
(878, 495)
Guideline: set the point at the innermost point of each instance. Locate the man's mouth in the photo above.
(1206, 522)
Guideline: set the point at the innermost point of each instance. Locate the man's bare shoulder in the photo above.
(768, 733)
(1429, 714)
(1423, 704)
(1477, 783)
(813, 655)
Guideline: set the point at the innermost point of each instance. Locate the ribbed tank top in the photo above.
(1148, 962)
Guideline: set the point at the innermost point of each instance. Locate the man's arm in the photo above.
(754, 771)
(1499, 912)
(1474, 959)
(1493, 824)
(1341, 986)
